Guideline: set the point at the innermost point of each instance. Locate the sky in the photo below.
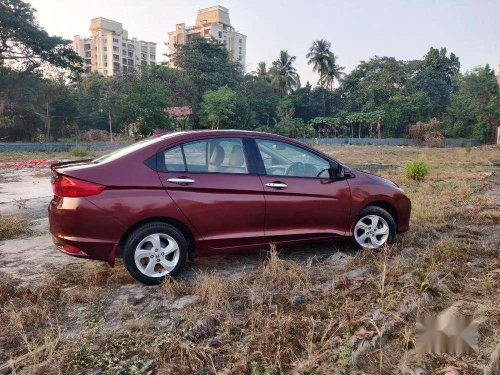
(357, 29)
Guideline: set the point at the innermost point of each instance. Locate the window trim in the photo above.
(262, 167)
(161, 167)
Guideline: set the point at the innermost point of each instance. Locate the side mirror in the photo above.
(339, 172)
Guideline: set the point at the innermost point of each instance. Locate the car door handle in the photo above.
(277, 185)
(181, 180)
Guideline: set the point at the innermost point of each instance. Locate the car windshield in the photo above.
(131, 148)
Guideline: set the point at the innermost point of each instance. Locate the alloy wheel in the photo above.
(157, 255)
(371, 231)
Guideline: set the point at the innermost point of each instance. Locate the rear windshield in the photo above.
(130, 149)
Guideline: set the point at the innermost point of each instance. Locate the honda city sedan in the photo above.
(163, 200)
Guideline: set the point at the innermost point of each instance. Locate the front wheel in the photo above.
(374, 228)
(154, 251)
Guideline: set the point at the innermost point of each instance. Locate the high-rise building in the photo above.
(109, 50)
(211, 23)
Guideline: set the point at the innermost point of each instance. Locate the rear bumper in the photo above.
(81, 229)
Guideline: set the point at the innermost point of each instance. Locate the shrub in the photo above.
(95, 135)
(12, 227)
(427, 133)
(416, 170)
(79, 152)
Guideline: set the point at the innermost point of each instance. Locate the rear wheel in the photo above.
(374, 228)
(154, 251)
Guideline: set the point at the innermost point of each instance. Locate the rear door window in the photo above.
(216, 155)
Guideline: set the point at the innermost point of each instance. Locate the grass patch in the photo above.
(79, 152)
(13, 227)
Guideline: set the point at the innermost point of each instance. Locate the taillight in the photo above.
(64, 186)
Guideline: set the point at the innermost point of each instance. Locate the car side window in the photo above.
(216, 155)
(174, 161)
(282, 159)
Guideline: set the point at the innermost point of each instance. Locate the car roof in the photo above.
(195, 134)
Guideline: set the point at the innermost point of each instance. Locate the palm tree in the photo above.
(284, 77)
(262, 70)
(321, 58)
(334, 72)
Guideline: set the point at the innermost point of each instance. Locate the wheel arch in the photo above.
(389, 207)
(183, 228)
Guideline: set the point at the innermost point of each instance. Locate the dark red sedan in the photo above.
(165, 199)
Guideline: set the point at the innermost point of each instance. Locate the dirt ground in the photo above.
(450, 257)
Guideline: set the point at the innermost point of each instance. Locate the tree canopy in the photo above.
(24, 45)
(382, 96)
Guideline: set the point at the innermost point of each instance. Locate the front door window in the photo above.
(282, 159)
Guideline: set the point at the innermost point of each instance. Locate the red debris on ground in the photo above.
(26, 163)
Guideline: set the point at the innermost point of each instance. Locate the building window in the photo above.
(144, 49)
(144, 56)
(131, 62)
(241, 40)
(124, 44)
(152, 56)
(104, 48)
(106, 64)
(130, 54)
(116, 49)
(86, 46)
(131, 47)
(116, 57)
(115, 40)
(124, 61)
(220, 34)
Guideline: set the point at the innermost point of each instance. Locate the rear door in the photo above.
(302, 201)
(212, 181)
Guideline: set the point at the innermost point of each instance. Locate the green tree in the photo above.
(206, 64)
(321, 58)
(475, 110)
(262, 71)
(26, 46)
(333, 73)
(285, 78)
(434, 76)
(140, 101)
(261, 99)
(219, 105)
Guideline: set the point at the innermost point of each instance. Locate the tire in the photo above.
(160, 243)
(374, 227)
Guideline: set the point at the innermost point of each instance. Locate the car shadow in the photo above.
(231, 264)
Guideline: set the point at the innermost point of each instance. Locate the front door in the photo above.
(210, 181)
(302, 200)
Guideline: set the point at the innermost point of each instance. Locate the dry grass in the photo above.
(286, 316)
(12, 227)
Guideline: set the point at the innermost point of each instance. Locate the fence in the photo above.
(30, 147)
(449, 142)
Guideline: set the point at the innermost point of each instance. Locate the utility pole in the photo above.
(110, 128)
(48, 122)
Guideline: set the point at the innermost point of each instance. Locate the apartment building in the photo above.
(109, 50)
(211, 23)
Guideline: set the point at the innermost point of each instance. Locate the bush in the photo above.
(95, 135)
(416, 170)
(427, 133)
(79, 152)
